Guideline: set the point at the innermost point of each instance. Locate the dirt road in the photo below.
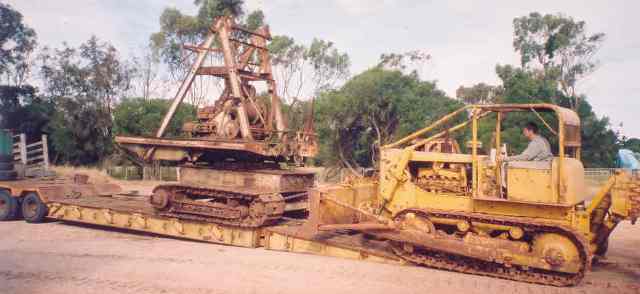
(62, 258)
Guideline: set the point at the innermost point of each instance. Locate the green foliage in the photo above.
(255, 20)
(526, 86)
(94, 69)
(141, 117)
(83, 83)
(560, 45)
(177, 29)
(373, 109)
(632, 144)
(295, 113)
(10, 104)
(523, 86)
(80, 131)
(312, 69)
(23, 111)
(328, 64)
(17, 42)
(208, 10)
(555, 52)
(599, 143)
(408, 62)
(480, 94)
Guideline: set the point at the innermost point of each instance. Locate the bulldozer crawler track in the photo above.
(271, 204)
(469, 265)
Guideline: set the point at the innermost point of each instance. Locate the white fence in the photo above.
(33, 159)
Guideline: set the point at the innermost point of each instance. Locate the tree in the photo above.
(328, 65)
(94, 69)
(373, 109)
(560, 46)
(480, 93)
(522, 85)
(80, 131)
(410, 62)
(148, 80)
(177, 29)
(24, 111)
(108, 77)
(83, 83)
(288, 59)
(301, 69)
(142, 117)
(17, 42)
(600, 144)
(255, 20)
(555, 53)
(632, 144)
(209, 10)
(21, 109)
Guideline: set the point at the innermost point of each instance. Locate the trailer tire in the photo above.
(33, 209)
(8, 175)
(8, 206)
(6, 166)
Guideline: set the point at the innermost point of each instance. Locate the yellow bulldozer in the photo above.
(530, 221)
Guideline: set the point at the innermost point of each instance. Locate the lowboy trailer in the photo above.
(75, 200)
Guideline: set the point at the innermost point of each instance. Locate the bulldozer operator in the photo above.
(538, 148)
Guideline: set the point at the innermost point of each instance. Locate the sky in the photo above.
(465, 38)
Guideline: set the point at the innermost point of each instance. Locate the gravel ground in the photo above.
(64, 258)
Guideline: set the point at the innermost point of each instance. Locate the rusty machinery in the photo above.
(233, 153)
(473, 213)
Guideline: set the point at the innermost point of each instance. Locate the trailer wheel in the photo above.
(33, 209)
(8, 206)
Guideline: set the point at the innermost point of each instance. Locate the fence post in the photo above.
(45, 152)
(23, 149)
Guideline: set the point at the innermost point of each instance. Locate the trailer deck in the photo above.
(134, 213)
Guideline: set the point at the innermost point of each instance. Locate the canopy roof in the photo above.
(565, 115)
(568, 121)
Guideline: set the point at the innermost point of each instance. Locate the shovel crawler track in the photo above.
(225, 206)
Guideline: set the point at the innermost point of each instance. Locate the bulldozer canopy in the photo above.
(568, 130)
(568, 120)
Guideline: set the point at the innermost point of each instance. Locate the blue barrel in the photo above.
(626, 159)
